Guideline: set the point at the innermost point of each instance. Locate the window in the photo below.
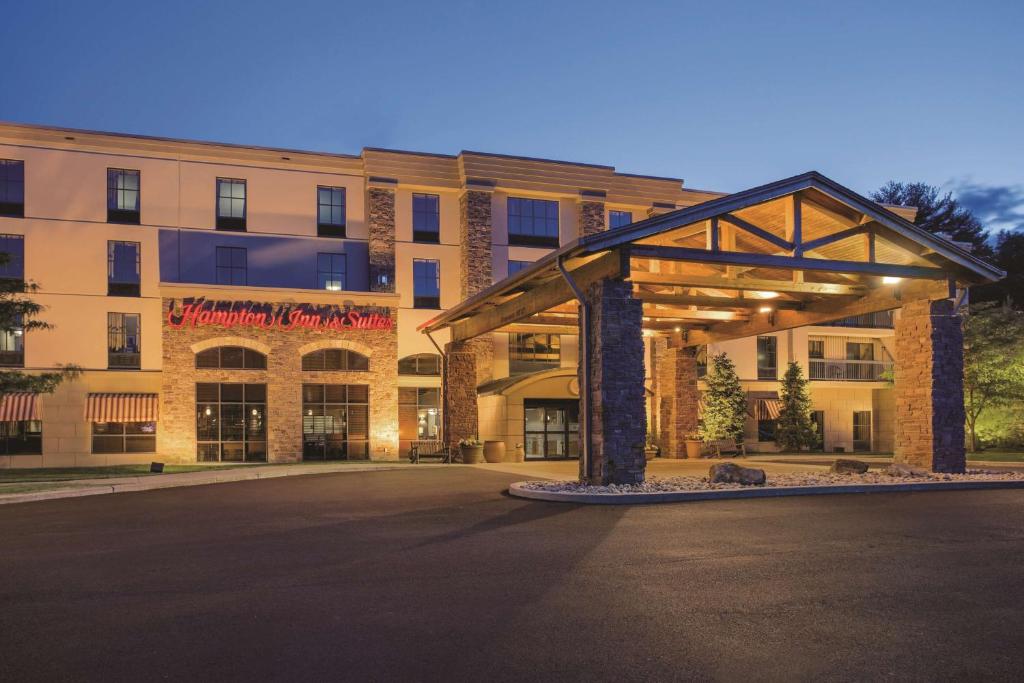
(767, 358)
(860, 351)
(515, 266)
(124, 340)
(23, 437)
(532, 222)
(230, 204)
(330, 211)
(426, 218)
(419, 415)
(816, 348)
(12, 268)
(123, 196)
(12, 346)
(701, 358)
(123, 268)
(124, 437)
(426, 281)
(862, 430)
(232, 267)
(551, 428)
(341, 360)
(231, 422)
(529, 352)
(12, 188)
(818, 419)
(424, 364)
(335, 422)
(617, 219)
(766, 430)
(231, 358)
(330, 272)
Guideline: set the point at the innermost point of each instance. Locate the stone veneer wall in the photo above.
(617, 407)
(929, 387)
(380, 203)
(284, 377)
(475, 226)
(460, 412)
(591, 217)
(677, 382)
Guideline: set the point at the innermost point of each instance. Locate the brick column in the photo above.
(380, 214)
(677, 382)
(590, 212)
(475, 225)
(618, 417)
(458, 388)
(930, 387)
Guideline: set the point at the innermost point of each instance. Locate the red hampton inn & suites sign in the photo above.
(203, 312)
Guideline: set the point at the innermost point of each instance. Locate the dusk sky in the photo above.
(861, 91)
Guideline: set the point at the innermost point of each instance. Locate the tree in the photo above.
(937, 213)
(725, 403)
(794, 430)
(1009, 256)
(17, 317)
(993, 361)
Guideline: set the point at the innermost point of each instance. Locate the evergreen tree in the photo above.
(725, 403)
(794, 429)
(17, 317)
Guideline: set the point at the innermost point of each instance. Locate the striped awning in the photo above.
(122, 408)
(768, 408)
(18, 406)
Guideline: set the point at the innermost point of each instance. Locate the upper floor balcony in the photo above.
(849, 370)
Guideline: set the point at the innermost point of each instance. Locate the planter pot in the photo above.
(692, 449)
(471, 454)
(650, 453)
(520, 454)
(494, 451)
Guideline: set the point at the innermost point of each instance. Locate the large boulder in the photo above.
(847, 466)
(731, 473)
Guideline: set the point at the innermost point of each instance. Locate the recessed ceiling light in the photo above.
(891, 280)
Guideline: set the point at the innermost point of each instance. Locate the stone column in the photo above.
(475, 238)
(618, 419)
(590, 212)
(930, 387)
(380, 215)
(677, 381)
(458, 388)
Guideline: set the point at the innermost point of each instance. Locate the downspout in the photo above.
(585, 442)
(444, 387)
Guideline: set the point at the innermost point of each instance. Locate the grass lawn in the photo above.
(997, 456)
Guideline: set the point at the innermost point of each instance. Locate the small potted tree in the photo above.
(471, 449)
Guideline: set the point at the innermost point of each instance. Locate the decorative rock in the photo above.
(899, 469)
(730, 473)
(846, 466)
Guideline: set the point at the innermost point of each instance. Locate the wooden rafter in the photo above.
(746, 284)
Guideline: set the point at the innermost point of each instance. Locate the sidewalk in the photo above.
(74, 488)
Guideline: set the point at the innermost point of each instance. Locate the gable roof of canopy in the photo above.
(806, 241)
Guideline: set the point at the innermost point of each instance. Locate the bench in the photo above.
(722, 447)
(430, 449)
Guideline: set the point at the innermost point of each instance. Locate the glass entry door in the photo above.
(862, 430)
(552, 429)
(818, 419)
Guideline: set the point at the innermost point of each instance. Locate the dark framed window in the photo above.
(124, 437)
(231, 422)
(701, 357)
(335, 422)
(551, 428)
(423, 364)
(515, 266)
(860, 351)
(231, 358)
(529, 352)
(532, 222)
(12, 188)
(341, 360)
(124, 265)
(330, 211)
(124, 340)
(330, 272)
(12, 258)
(816, 348)
(766, 430)
(124, 194)
(24, 437)
(767, 358)
(426, 283)
(12, 346)
(419, 415)
(231, 199)
(617, 219)
(818, 419)
(862, 430)
(426, 218)
(232, 266)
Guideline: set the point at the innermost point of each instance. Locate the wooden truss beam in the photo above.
(713, 301)
(757, 232)
(746, 284)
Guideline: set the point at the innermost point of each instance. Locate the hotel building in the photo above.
(234, 303)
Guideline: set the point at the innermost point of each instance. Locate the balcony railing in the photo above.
(849, 370)
(882, 319)
(118, 360)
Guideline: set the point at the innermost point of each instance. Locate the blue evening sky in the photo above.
(724, 94)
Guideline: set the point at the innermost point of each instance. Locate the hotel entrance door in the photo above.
(552, 428)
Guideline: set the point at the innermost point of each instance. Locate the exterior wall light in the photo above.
(891, 280)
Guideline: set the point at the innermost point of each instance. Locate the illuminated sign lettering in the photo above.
(286, 317)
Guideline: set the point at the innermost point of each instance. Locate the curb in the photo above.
(517, 490)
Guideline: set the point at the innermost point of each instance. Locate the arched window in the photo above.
(231, 358)
(335, 359)
(420, 364)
